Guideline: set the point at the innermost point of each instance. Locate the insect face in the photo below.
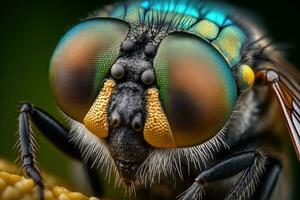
(139, 89)
(168, 92)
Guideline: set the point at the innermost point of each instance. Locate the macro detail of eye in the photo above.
(117, 71)
(82, 60)
(245, 77)
(196, 87)
(168, 99)
(148, 77)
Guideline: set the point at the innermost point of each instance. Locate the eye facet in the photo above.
(127, 45)
(148, 77)
(137, 123)
(117, 71)
(197, 88)
(150, 50)
(115, 119)
(245, 77)
(82, 60)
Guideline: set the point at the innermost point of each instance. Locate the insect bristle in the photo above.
(168, 163)
(256, 172)
(196, 189)
(33, 147)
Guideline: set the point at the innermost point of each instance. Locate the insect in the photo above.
(177, 98)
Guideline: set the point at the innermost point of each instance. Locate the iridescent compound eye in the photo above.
(81, 62)
(196, 87)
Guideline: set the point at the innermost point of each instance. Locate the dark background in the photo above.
(30, 31)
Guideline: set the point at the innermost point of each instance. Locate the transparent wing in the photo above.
(290, 106)
(287, 94)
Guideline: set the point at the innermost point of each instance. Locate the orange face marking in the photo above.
(96, 119)
(157, 130)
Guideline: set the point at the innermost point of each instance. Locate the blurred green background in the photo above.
(30, 31)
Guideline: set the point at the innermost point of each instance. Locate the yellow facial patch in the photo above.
(96, 119)
(246, 77)
(207, 29)
(157, 131)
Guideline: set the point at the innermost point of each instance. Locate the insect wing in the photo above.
(285, 83)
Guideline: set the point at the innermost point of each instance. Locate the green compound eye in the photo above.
(197, 88)
(81, 61)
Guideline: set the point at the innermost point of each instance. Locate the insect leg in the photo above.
(251, 161)
(269, 179)
(54, 131)
(250, 180)
(27, 151)
(95, 182)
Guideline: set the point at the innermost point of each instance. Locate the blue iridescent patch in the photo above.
(205, 19)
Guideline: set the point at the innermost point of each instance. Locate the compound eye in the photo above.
(196, 86)
(82, 60)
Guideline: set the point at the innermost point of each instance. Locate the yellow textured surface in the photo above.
(7, 166)
(207, 29)
(246, 77)
(229, 43)
(96, 119)
(157, 131)
(14, 187)
(13, 169)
